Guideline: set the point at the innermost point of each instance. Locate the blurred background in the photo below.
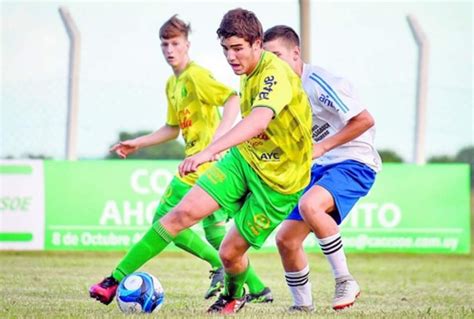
(122, 72)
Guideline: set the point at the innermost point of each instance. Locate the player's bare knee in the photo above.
(182, 215)
(285, 242)
(310, 207)
(227, 257)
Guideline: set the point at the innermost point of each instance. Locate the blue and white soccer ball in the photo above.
(140, 292)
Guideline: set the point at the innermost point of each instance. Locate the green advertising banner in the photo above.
(21, 205)
(412, 208)
(108, 205)
(97, 205)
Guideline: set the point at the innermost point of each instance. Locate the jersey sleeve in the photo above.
(171, 116)
(274, 90)
(210, 91)
(338, 96)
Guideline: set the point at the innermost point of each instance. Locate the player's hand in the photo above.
(218, 156)
(125, 148)
(191, 164)
(318, 150)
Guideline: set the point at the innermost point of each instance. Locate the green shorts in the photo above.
(237, 188)
(176, 190)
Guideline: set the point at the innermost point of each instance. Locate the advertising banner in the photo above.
(97, 205)
(419, 209)
(21, 205)
(108, 205)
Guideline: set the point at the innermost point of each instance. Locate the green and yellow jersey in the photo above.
(192, 100)
(281, 155)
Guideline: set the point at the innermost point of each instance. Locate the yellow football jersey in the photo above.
(281, 155)
(192, 100)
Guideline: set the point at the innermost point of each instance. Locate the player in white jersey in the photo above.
(343, 171)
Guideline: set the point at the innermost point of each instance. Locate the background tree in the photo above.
(389, 156)
(441, 159)
(170, 150)
(465, 155)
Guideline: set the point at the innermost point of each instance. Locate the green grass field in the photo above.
(54, 285)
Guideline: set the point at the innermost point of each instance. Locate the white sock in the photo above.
(332, 248)
(300, 287)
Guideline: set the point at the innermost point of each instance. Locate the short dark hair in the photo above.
(174, 27)
(240, 23)
(282, 32)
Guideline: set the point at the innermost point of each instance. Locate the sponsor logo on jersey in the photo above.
(184, 120)
(269, 82)
(320, 132)
(270, 156)
(185, 123)
(184, 92)
(258, 140)
(324, 99)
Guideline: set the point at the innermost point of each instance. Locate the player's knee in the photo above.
(227, 257)
(310, 207)
(182, 215)
(285, 242)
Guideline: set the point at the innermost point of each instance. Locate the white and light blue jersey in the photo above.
(334, 103)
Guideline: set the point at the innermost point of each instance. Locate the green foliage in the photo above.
(441, 159)
(169, 150)
(389, 156)
(54, 285)
(466, 155)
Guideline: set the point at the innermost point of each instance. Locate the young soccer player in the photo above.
(193, 95)
(345, 166)
(266, 168)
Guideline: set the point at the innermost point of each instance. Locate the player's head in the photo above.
(241, 34)
(174, 41)
(284, 43)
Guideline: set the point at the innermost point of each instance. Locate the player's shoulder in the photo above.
(195, 69)
(275, 65)
(325, 80)
(169, 82)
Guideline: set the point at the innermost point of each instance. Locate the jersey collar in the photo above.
(258, 64)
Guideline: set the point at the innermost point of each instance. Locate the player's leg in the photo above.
(233, 255)
(215, 230)
(324, 206)
(196, 205)
(315, 206)
(263, 210)
(187, 239)
(289, 241)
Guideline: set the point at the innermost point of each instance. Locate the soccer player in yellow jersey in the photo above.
(268, 163)
(192, 95)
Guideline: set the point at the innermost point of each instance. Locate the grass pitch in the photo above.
(54, 285)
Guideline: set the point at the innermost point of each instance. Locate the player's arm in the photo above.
(163, 134)
(252, 125)
(231, 110)
(355, 127)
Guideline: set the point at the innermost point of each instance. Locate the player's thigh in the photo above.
(262, 211)
(226, 183)
(316, 199)
(292, 234)
(219, 217)
(194, 206)
(175, 191)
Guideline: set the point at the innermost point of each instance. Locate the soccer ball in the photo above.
(140, 292)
